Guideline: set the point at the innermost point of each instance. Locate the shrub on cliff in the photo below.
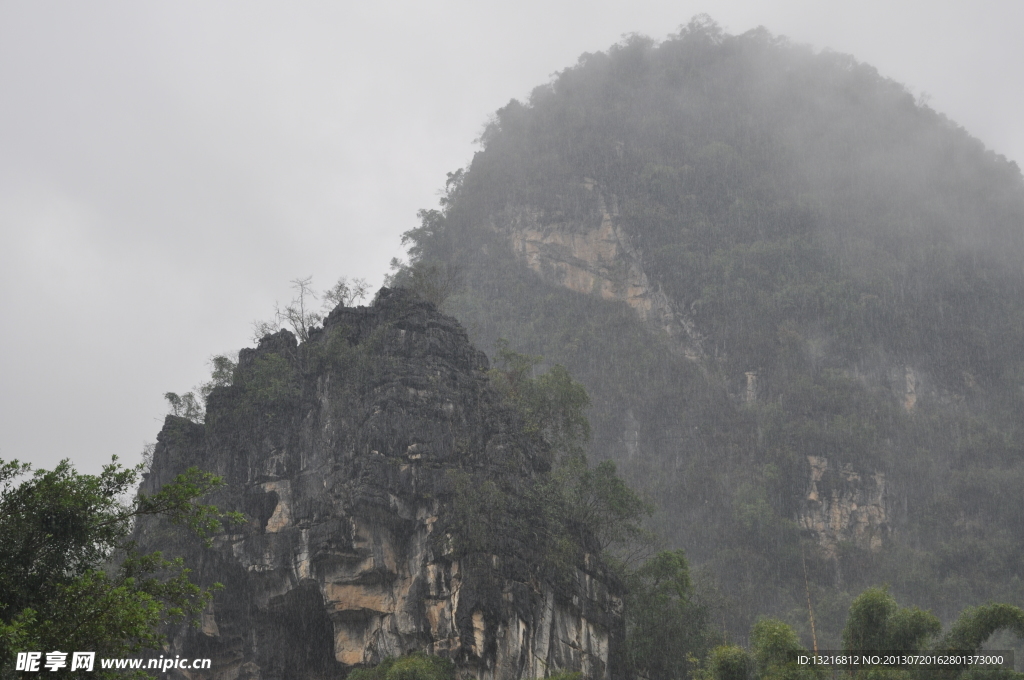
(415, 666)
(566, 510)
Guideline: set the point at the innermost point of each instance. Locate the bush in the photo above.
(415, 666)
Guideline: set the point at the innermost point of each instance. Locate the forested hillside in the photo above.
(794, 295)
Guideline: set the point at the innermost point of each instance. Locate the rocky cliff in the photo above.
(342, 452)
(844, 506)
(594, 255)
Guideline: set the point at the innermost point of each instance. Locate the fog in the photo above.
(167, 169)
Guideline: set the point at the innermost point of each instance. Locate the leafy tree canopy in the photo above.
(666, 629)
(415, 666)
(875, 624)
(71, 580)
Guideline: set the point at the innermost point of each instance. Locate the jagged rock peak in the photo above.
(342, 452)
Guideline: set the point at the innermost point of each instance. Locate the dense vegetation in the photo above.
(876, 624)
(70, 578)
(853, 249)
(576, 507)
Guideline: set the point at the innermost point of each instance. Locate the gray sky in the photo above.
(167, 168)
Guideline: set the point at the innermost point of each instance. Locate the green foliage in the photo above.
(574, 508)
(666, 630)
(193, 408)
(265, 389)
(431, 282)
(434, 281)
(69, 577)
(775, 647)
(186, 406)
(727, 662)
(552, 404)
(876, 622)
(222, 374)
(415, 666)
(494, 516)
(974, 627)
(604, 507)
(573, 504)
(564, 675)
(270, 381)
(977, 624)
(355, 364)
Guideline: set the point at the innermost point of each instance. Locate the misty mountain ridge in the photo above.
(712, 356)
(793, 293)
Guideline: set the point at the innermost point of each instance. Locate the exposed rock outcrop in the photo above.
(598, 259)
(341, 453)
(844, 506)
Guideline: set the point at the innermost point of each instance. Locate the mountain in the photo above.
(794, 295)
(359, 457)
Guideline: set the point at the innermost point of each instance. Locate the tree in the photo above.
(553, 404)
(600, 505)
(877, 623)
(188, 405)
(345, 292)
(727, 662)
(977, 624)
(666, 631)
(185, 406)
(596, 506)
(576, 507)
(775, 647)
(297, 313)
(222, 373)
(301, 315)
(969, 632)
(415, 666)
(70, 579)
(433, 283)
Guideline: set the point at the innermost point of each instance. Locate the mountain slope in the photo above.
(794, 294)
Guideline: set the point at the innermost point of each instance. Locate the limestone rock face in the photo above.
(844, 506)
(598, 258)
(341, 452)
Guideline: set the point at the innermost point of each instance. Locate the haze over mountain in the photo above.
(790, 283)
(167, 169)
(793, 291)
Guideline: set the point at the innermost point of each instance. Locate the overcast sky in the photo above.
(167, 168)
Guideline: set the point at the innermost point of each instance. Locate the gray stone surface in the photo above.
(340, 452)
